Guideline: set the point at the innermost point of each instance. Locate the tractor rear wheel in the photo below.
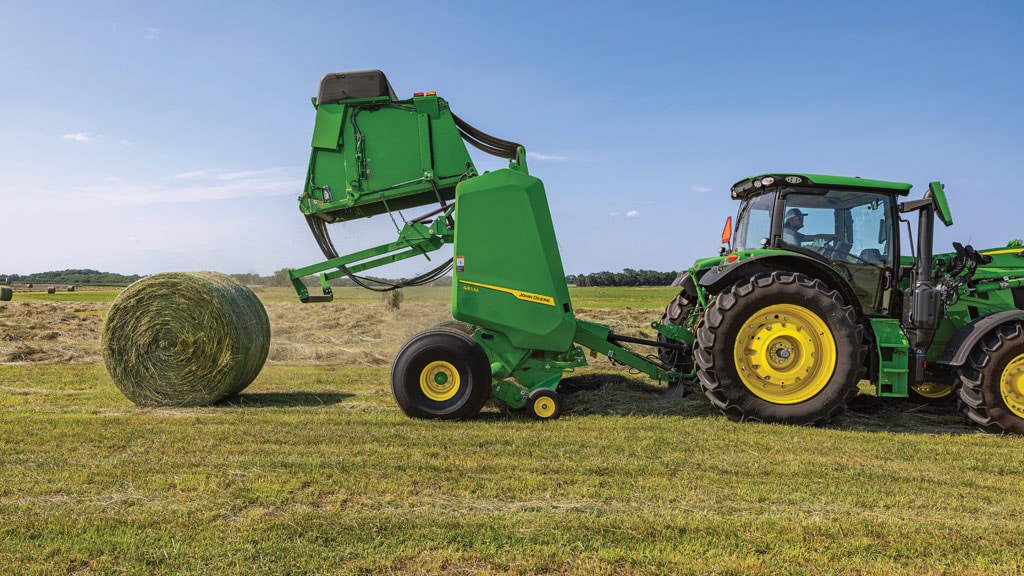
(992, 390)
(441, 373)
(780, 348)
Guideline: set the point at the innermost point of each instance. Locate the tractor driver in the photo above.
(791, 229)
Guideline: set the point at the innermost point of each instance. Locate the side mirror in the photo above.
(941, 206)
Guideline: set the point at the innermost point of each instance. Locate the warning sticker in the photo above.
(460, 263)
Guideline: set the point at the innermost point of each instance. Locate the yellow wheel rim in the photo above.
(440, 381)
(785, 354)
(1011, 386)
(544, 407)
(933, 390)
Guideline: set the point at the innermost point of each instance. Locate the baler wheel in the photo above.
(441, 373)
(992, 391)
(780, 348)
(544, 405)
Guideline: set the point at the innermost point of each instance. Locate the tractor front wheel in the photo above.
(780, 348)
(992, 390)
(441, 373)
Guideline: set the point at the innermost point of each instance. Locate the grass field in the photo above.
(314, 470)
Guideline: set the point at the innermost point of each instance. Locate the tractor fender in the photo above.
(721, 277)
(686, 282)
(960, 345)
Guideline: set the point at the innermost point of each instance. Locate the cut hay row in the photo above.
(350, 333)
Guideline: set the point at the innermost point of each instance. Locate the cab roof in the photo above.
(754, 184)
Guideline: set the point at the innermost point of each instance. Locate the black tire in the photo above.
(544, 405)
(677, 311)
(815, 353)
(992, 382)
(441, 373)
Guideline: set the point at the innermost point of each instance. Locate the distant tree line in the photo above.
(627, 277)
(72, 277)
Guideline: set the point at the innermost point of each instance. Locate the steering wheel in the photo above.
(835, 249)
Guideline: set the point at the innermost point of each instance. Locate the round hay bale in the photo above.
(51, 290)
(185, 339)
(6, 294)
(71, 288)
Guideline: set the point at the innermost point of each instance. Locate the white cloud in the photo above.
(627, 214)
(700, 189)
(78, 137)
(201, 186)
(193, 175)
(543, 157)
(246, 174)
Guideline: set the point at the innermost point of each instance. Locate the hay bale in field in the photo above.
(185, 339)
(6, 294)
(51, 290)
(71, 288)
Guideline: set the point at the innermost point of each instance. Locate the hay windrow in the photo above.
(185, 339)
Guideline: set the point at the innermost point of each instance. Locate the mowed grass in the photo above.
(314, 470)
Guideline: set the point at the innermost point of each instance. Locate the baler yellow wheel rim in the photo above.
(545, 407)
(785, 354)
(1011, 386)
(440, 381)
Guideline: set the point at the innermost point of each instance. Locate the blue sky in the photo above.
(140, 137)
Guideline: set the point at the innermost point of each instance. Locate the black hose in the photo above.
(485, 142)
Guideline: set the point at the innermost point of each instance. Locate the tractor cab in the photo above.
(846, 224)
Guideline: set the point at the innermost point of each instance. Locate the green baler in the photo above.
(374, 154)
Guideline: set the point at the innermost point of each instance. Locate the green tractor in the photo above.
(780, 327)
(810, 295)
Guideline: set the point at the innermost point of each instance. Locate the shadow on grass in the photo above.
(612, 394)
(283, 399)
(873, 414)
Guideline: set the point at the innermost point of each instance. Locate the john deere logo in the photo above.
(518, 294)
